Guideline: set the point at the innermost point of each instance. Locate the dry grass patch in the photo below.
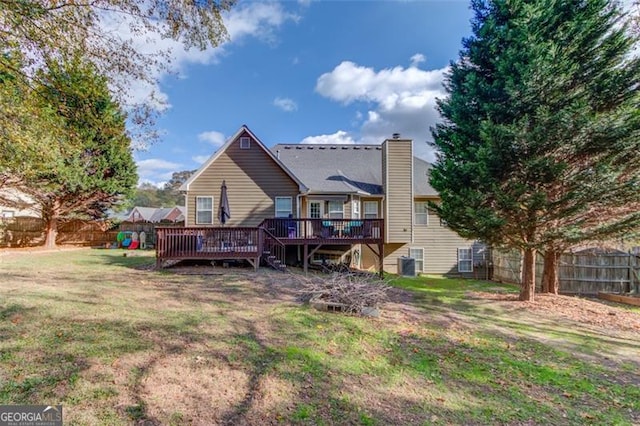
(116, 342)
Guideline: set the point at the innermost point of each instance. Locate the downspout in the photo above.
(186, 209)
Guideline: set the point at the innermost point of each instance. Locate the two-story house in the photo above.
(312, 203)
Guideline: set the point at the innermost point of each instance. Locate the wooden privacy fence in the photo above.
(149, 228)
(30, 232)
(579, 273)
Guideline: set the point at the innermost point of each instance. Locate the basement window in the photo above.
(418, 255)
(465, 260)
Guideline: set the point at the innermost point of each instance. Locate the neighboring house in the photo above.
(155, 215)
(14, 203)
(333, 183)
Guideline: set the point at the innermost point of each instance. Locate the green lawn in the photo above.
(116, 342)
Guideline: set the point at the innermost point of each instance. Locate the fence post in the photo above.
(630, 272)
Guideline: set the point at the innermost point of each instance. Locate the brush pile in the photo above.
(350, 292)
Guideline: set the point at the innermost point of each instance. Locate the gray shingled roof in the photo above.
(421, 185)
(334, 168)
(154, 214)
(344, 168)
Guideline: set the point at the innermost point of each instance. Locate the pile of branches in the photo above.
(351, 291)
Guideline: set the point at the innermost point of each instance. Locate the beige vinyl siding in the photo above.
(440, 244)
(253, 181)
(391, 254)
(355, 206)
(397, 179)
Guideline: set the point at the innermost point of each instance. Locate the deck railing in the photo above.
(329, 230)
(208, 243)
(270, 238)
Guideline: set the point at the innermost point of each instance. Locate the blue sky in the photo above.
(307, 72)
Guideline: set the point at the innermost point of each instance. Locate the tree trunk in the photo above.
(51, 232)
(50, 214)
(528, 287)
(550, 281)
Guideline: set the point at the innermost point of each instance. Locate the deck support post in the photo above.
(306, 258)
(381, 259)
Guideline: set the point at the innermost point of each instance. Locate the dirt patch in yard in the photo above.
(584, 311)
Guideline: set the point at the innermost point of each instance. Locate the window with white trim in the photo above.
(465, 260)
(355, 212)
(204, 210)
(370, 209)
(418, 255)
(336, 210)
(421, 212)
(284, 206)
(245, 143)
(315, 209)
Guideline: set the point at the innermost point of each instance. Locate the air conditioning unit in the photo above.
(406, 266)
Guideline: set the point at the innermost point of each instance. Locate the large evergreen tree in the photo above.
(539, 145)
(88, 164)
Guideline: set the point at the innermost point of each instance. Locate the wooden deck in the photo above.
(268, 240)
(208, 243)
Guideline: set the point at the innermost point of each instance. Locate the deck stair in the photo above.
(274, 251)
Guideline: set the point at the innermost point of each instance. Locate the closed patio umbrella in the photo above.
(224, 213)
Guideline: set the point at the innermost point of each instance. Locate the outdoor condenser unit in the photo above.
(406, 266)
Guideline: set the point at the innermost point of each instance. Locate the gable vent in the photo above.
(245, 143)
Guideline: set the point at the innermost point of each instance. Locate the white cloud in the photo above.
(212, 137)
(417, 59)
(285, 104)
(156, 170)
(399, 100)
(256, 19)
(349, 82)
(200, 158)
(340, 137)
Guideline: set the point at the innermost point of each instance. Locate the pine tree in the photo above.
(538, 148)
(89, 166)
